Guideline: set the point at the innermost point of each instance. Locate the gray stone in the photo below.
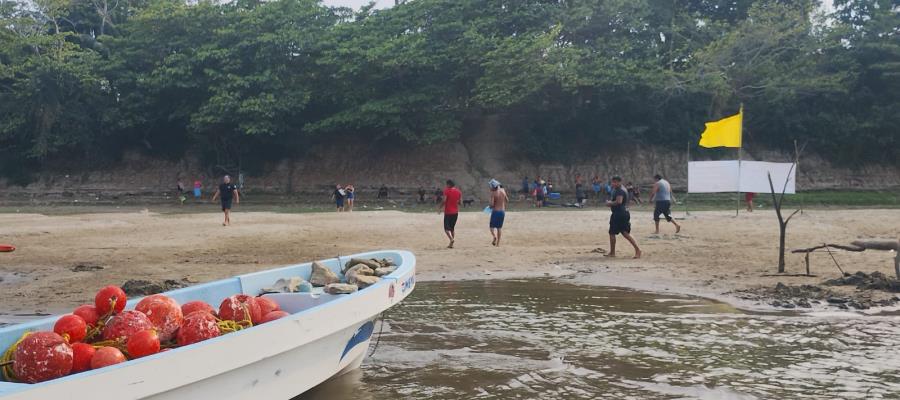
(364, 281)
(340, 288)
(322, 275)
(357, 271)
(384, 271)
(286, 285)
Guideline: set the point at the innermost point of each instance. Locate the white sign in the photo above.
(743, 176)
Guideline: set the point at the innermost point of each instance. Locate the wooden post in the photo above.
(687, 194)
(737, 209)
(797, 171)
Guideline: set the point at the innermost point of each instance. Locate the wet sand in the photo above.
(715, 253)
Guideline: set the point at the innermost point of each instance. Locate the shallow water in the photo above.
(545, 340)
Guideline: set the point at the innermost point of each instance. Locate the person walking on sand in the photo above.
(351, 197)
(748, 198)
(499, 201)
(227, 193)
(180, 188)
(197, 189)
(338, 197)
(662, 197)
(450, 206)
(620, 220)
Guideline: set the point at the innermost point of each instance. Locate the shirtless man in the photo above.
(620, 220)
(499, 201)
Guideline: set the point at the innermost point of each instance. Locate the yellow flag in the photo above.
(725, 132)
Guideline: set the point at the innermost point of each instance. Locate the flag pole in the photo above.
(687, 194)
(737, 209)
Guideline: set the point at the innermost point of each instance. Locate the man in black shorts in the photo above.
(450, 206)
(620, 220)
(227, 192)
(662, 198)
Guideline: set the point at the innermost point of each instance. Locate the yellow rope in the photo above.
(229, 326)
(9, 358)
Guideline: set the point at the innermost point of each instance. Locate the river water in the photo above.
(550, 340)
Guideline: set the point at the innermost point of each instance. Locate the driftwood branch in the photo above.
(857, 246)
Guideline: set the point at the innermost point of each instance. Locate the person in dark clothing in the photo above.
(422, 194)
(338, 196)
(450, 207)
(227, 193)
(383, 192)
(620, 220)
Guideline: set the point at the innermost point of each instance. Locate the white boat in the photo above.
(325, 336)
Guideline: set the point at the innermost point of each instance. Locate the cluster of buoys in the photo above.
(104, 334)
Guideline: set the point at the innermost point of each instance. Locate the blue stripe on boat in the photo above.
(362, 334)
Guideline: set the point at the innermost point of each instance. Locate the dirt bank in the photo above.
(715, 254)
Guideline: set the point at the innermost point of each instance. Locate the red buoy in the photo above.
(192, 306)
(235, 308)
(267, 305)
(125, 324)
(108, 296)
(277, 314)
(197, 327)
(164, 313)
(71, 326)
(6, 248)
(42, 356)
(106, 356)
(82, 354)
(88, 313)
(143, 343)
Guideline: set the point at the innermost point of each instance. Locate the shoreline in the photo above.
(717, 256)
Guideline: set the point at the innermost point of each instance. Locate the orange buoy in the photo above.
(6, 248)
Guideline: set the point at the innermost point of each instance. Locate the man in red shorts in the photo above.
(450, 207)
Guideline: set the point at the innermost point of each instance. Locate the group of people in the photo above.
(182, 191)
(618, 200)
(344, 197)
(451, 199)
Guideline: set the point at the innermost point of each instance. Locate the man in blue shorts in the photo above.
(499, 201)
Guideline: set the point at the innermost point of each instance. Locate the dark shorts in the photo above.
(226, 204)
(663, 207)
(450, 222)
(339, 202)
(619, 223)
(497, 218)
(540, 196)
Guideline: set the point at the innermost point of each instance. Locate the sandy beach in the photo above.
(714, 254)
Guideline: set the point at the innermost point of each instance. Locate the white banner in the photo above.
(725, 176)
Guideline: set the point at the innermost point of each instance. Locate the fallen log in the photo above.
(857, 246)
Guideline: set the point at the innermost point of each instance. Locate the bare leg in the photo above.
(637, 250)
(677, 227)
(656, 221)
(612, 246)
(227, 218)
(499, 234)
(493, 235)
(450, 235)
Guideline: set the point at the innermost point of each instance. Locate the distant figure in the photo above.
(634, 193)
(748, 198)
(663, 197)
(383, 192)
(438, 196)
(226, 192)
(422, 194)
(524, 190)
(597, 186)
(338, 196)
(351, 197)
(197, 187)
(579, 192)
(608, 188)
(450, 207)
(180, 188)
(620, 220)
(499, 200)
(468, 202)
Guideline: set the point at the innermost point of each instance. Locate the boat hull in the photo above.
(324, 336)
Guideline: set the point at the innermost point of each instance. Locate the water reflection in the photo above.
(527, 339)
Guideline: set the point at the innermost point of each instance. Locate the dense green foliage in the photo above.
(251, 80)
